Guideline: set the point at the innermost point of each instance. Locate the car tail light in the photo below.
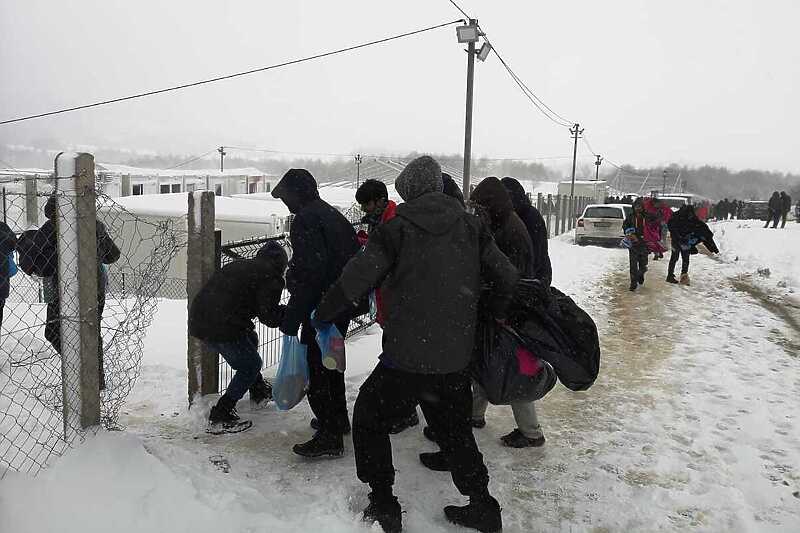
(580, 222)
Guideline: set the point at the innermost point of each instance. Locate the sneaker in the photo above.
(404, 424)
(482, 514)
(641, 278)
(260, 391)
(685, 279)
(323, 444)
(671, 278)
(435, 461)
(517, 439)
(316, 426)
(384, 511)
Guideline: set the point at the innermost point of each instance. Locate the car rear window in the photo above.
(603, 212)
(675, 202)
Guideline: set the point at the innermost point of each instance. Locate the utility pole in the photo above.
(468, 121)
(358, 170)
(221, 151)
(597, 167)
(664, 184)
(576, 132)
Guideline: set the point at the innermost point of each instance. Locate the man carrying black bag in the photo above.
(428, 262)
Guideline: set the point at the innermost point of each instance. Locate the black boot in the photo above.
(634, 285)
(260, 391)
(482, 513)
(435, 461)
(671, 278)
(323, 444)
(223, 418)
(385, 510)
(402, 425)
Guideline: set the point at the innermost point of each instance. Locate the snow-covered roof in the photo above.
(227, 209)
(339, 196)
(156, 172)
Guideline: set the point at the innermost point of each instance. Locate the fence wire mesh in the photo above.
(39, 372)
(271, 339)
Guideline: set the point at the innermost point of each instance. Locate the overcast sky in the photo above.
(686, 81)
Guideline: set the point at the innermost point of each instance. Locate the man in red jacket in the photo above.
(373, 197)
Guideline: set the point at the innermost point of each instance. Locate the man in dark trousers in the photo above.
(428, 262)
(633, 226)
(686, 232)
(537, 230)
(786, 206)
(775, 207)
(322, 243)
(8, 243)
(221, 315)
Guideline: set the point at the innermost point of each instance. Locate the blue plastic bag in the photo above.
(331, 344)
(291, 381)
(12, 266)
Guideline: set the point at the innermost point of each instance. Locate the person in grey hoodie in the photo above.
(428, 262)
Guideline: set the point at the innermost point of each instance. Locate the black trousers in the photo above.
(326, 392)
(638, 262)
(446, 400)
(673, 260)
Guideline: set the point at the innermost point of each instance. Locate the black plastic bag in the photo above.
(564, 335)
(507, 370)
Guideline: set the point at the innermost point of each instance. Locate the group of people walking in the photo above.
(646, 230)
(780, 205)
(438, 271)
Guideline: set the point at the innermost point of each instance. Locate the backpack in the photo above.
(560, 332)
(33, 260)
(25, 249)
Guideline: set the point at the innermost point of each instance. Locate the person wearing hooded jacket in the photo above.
(786, 207)
(428, 261)
(8, 243)
(221, 315)
(537, 230)
(634, 228)
(323, 241)
(45, 249)
(686, 231)
(775, 207)
(496, 208)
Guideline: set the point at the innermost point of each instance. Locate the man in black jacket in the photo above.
(686, 232)
(221, 315)
(428, 262)
(45, 251)
(633, 226)
(8, 243)
(775, 206)
(322, 243)
(786, 206)
(534, 222)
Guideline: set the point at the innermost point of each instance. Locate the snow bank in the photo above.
(112, 483)
(770, 255)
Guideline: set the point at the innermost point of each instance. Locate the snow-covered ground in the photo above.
(692, 425)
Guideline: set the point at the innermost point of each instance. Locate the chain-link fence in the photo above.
(271, 339)
(57, 294)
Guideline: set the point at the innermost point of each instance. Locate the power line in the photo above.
(462, 11)
(230, 76)
(192, 160)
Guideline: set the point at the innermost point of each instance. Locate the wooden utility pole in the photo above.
(597, 167)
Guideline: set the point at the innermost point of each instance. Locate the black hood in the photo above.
(296, 189)
(492, 196)
(274, 254)
(451, 188)
(434, 212)
(517, 192)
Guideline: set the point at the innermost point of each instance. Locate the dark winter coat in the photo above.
(637, 222)
(428, 262)
(225, 307)
(8, 242)
(786, 203)
(684, 224)
(323, 241)
(775, 203)
(509, 232)
(537, 229)
(45, 247)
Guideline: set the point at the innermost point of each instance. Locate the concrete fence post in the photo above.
(539, 202)
(31, 201)
(563, 214)
(557, 231)
(547, 222)
(125, 185)
(571, 218)
(77, 288)
(201, 263)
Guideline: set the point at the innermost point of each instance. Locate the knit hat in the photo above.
(421, 176)
(273, 251)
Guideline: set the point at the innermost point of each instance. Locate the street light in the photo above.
(468, 33)
(483, 53)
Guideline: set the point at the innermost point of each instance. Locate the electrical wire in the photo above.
(192, 160)
(462, 11)
(230, 76)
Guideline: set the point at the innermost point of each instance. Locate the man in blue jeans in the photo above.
(222, 315)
